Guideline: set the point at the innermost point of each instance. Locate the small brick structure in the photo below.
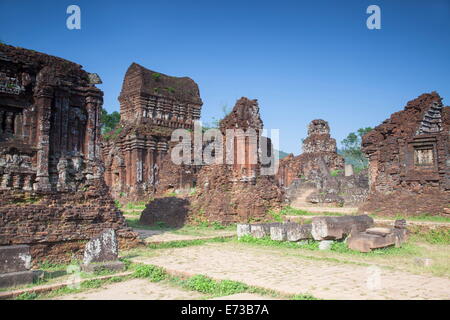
(409, 159)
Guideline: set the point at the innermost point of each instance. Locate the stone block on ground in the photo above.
(278, 232)
(366, 241)
(261, 230)
(335, 228)
(325, 244)
(102, 248)
(101, 266)
(297, 232)
(379, 231)
(14, 258)
(243, 229)
(13, 279)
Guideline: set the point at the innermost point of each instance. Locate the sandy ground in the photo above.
(136, 289)
(272, 269)
(157, 236)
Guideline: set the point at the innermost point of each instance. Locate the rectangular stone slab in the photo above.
(243, 229)
(379, 231)
(261, 230)
(297, 232)
(365, 242)
(335, 228)
(278, 232)
(14, 258)
(14, 279)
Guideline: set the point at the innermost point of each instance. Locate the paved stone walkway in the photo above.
(158, 236)
(269, 268)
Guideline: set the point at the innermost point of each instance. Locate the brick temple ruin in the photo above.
(228, 192)
(240, 191)
(409, 159)
(317, 176)
(53, 196)
(152, 105)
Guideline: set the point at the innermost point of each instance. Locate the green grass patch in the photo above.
(266, 241)
(27, 296)
(140, 205)
(212, 287)
(335, 173)
(289, 211)
(337, 246)
(422, 217)
(151, 272)
(186, 243)
(435, 236)
(85, 285)
(189, 229)
(50, 266)
(134, 223)
(405, 249)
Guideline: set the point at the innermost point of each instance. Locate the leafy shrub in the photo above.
(207, 285)
(151, 272)
(27, 296)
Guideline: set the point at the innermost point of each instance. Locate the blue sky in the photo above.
(302, 60)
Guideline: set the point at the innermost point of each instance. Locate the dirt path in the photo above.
(300, 201)
(142, 289)
(136, 289)
(158, 236)
(270, 269)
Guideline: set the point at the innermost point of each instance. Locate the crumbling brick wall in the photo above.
(51, 176)
(409, 161)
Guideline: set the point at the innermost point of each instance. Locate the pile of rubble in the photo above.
(357, 231)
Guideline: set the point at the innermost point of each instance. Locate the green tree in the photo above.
(352, 147)
(109, 121)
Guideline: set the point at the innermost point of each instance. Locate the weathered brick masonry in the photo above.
(409, 159)
(52, 192)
